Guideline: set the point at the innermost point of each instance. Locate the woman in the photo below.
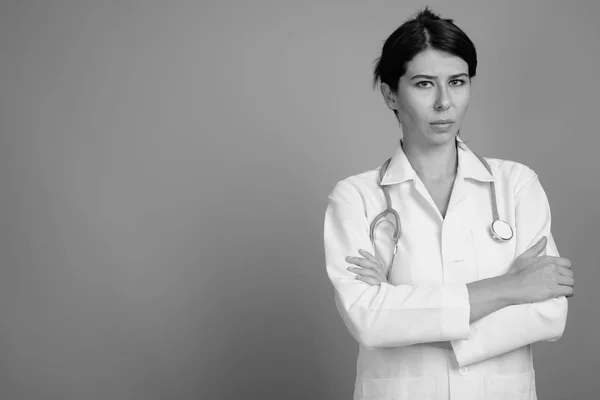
(454, 317)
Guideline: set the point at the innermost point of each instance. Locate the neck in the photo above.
(432, 162)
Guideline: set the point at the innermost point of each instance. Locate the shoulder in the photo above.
(356, 187)
(512, 173)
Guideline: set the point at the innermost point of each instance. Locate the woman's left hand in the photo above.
(368, 269)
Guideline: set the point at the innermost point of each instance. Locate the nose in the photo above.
(442, 101)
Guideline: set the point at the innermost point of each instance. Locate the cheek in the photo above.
(461, 101)
(416, 109)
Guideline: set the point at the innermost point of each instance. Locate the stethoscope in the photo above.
(500, 230)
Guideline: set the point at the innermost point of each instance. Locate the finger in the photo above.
(565, 280)
(361, 262)
(366, 272)
(564, 271)
(563, 262)
(559, 261)
(564, 291)
(535, 249)
(368, 255)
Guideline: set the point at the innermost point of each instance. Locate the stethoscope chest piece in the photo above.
(501, 230)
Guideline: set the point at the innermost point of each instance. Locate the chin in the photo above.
(441, 138)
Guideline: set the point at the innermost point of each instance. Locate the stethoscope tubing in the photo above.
(498, 236)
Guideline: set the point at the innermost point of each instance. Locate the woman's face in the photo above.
(432, 97)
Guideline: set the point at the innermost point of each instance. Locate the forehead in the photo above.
(436, 63)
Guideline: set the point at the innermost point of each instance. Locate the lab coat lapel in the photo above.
(469, 169)
(459, 191)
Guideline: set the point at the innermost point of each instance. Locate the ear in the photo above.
(389, 96)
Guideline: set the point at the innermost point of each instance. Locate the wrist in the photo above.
(508, 289)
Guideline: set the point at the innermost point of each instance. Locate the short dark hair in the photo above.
(425, 31)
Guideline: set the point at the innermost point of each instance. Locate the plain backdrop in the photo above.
(164, 172)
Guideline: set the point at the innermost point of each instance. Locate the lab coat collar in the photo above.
(469, 166)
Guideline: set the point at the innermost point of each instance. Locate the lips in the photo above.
(441, 125)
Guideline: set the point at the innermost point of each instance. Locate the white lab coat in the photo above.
(427, 299)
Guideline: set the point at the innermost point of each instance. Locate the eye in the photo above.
(423, 84)
(457, 82)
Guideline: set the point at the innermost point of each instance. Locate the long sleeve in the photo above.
(385, 315)
(515, 326)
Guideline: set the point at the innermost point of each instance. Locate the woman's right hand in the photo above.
(534, 278)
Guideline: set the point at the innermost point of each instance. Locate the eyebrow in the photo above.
(435, 77)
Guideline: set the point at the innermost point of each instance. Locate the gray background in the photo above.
(164, 171)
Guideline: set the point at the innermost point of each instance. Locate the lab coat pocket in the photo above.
(406, 388)
(413, 268)
(510, 387)
(493, 258)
